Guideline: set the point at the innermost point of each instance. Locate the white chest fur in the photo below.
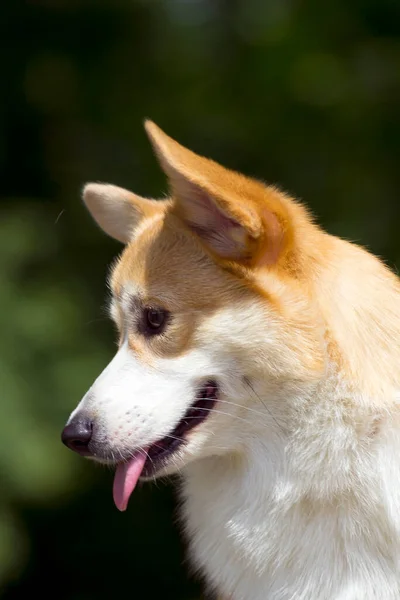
(257, 534)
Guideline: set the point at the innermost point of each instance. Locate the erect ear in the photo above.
(238, 218)
(117, 210)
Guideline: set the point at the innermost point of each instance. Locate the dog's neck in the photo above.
(281, 507)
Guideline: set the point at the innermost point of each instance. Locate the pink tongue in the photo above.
(126, 478)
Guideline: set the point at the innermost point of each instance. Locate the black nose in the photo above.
(77, 435)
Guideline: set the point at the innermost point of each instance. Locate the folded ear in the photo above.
(238, 218)
(116, 210)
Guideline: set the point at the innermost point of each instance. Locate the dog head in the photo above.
(213, 317)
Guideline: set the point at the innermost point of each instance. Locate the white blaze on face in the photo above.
(133, 404)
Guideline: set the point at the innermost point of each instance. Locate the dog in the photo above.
(259, 358)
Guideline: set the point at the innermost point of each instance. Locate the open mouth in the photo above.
(147, 463)
(158, 453)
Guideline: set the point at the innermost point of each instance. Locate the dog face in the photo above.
(212, 315)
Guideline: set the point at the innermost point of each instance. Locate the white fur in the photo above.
(316, 518)
(289, 501)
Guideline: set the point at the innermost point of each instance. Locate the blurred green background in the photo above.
(301, 93)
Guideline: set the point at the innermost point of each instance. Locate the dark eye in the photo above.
(154, 320)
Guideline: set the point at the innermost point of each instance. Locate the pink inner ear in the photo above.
(225, 235)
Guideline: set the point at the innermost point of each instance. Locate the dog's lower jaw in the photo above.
(256, 535)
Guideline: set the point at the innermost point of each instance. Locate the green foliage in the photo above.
(301, 93)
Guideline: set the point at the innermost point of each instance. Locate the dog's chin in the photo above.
(171, 465)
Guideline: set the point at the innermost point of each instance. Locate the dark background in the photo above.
(301, 93)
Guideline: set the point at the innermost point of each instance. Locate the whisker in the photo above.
(96, 320)
(257, 412)
(59, 216)
(174, 437)
(220, 412)
(264, 405)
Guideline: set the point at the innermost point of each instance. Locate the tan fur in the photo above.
(313, 264)
(156, 268)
